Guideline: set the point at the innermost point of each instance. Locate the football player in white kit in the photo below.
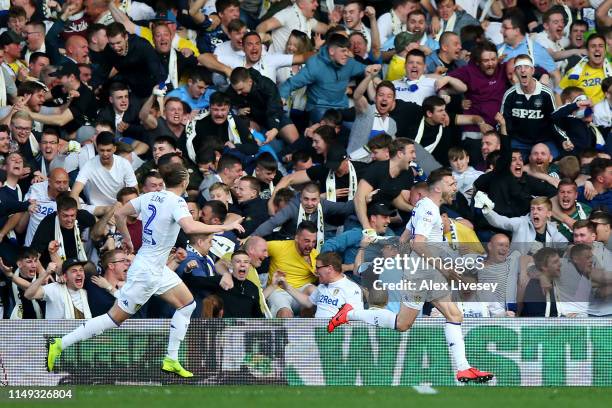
(426, 231)
(164, 214)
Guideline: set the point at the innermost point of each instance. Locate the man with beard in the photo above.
(309, 207)
(527, 109)
(28, 267)
(541, 166)
(221, 126)
(425, 230)
(486, 82)
(101, 288)
(591, 70)
(64, 300)
(534, 227)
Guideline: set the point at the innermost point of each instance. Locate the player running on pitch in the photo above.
(426, 230)
(163, 213)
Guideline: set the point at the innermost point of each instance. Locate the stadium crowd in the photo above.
(316, 126)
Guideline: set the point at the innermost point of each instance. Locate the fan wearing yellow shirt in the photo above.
(460, 236)
(589, 73)
(296, 259)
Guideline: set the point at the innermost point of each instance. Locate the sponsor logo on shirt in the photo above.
(328, 300)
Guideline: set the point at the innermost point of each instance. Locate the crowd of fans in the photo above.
(317, 125)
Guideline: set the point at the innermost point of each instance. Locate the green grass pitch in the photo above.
(340, 397)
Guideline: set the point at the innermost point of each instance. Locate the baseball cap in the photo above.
(404, 38)
(166, 15)
(335, 156)
(70, 262)
(380, 209)
(65, 69)
(9, 37)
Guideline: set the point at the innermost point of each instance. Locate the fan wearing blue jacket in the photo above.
(326, 76)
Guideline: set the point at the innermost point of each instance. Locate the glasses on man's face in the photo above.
(321, 266)
(126, 260)
(22, 128)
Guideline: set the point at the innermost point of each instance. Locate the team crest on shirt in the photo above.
(537, 102)
(137, 307)
(335, 292)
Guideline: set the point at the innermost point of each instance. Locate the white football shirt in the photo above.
(329, 298)
(101, 184)
(426, 221)
(160, 212)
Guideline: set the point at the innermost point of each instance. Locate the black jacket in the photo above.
(141, 68)
(264, 101)
(255, 212)
(241, 301)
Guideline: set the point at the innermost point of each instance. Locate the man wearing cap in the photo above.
(527, 108)
(82, 108)
(11, 44)
(350, 242)
(339, 176)
(64, 300)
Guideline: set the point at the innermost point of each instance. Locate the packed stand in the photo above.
(321, 142)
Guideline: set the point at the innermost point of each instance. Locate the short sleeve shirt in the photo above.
(377, 175)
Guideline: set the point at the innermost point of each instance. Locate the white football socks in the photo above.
(89, 329)
(454, 340)
(178, 329)
(376, 317)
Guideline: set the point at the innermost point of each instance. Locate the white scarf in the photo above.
(173, 77)
(221, 245)
(453, 235)
(81, 255)
(69, 306)
(599, 139)
(449, 26)
(303, 22)
(320, 224)
(419, 136)
(396, 24)
(11, 234)
(17, 312)
(500, 52)
(485, 10)
(232, 130)
(190, 132)
(34, 144)
(2, 88)
(330, 184)
(570, 20)
(579, 67)
(209, 261)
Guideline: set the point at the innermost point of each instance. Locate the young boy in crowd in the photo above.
(462, 171)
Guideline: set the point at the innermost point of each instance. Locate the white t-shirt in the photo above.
(101, 184)
(329, 298)
(543, 39)
(226, 49)
(426, 221)
(54, 296)
(602, 114)
(266, 66)
(385, 27)
(425, 87)
(160, 213)
(291, 19)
